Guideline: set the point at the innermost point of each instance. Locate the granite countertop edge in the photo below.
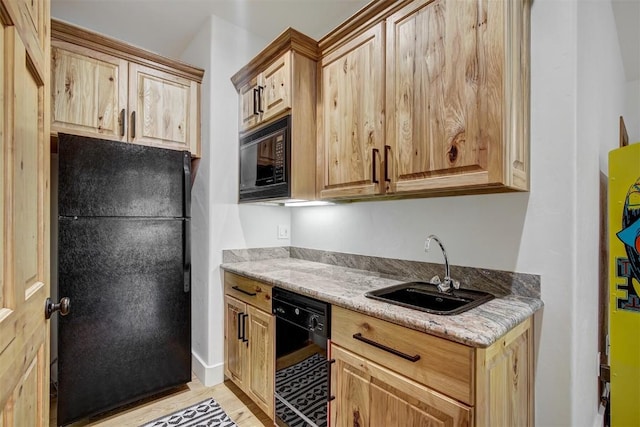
(345, 287)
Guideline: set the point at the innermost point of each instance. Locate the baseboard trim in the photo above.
(209, 375)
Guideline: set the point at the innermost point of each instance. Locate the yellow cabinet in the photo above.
(386, 372)
(249, 339)
(351, 121)
(457, 95)
(266, 95)
(107, 89)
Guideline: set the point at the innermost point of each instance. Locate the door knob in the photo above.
(64, 306)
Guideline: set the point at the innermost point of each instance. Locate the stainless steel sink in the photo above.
(426, 297)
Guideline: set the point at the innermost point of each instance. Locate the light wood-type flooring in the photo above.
(241, 410)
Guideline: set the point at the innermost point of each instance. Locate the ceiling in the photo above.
(167, 26)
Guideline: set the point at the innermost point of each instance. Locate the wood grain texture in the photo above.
(88, 91)
(262, 297)
(452, 375)
(261, 359)
(276, 83)
(24, 346)
(250, 362)
(249, 115)
(78, 36)
(505, 383)
(381, 397)
(352, 117)
(236, 404)
(102, 77)
(288, 40)
(234, 349)
(303, 127)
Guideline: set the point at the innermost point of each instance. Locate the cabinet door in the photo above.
(163, 109)
(234, 347)
(368, 394)
(276, 92)
(352, 115)
(260, 360)
(444, 94)
(249, 113)
(88, 92)
(24, 217)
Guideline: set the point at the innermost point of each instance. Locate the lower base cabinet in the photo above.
(249, 337)
(401, 377)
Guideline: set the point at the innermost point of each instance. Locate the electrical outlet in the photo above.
(283, 231)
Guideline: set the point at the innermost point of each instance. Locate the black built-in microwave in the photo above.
(265, 162)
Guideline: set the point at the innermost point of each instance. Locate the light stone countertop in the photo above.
(345, 287)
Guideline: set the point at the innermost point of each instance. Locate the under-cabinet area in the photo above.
(384, 364)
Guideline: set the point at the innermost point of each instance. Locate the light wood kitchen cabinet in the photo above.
(368, 394)
(425, 98)
(351, 119)
(281, 81)
(249, 339)
(107, 89)
(267, 95)
(457, 95)
(385, 370)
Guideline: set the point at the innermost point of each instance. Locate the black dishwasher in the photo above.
(302, 380)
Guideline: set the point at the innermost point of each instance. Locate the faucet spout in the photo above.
(447, 283)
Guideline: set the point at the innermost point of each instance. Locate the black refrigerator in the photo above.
(124, 262)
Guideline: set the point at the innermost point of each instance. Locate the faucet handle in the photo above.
(455, 284)
(435, 280)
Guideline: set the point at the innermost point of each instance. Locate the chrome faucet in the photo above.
(448, 282)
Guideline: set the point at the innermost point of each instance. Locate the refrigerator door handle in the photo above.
(186, 229)
(186, 165)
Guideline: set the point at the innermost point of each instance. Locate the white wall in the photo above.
(218, 222)
(551, 231)
(600, 102)
(632, 110)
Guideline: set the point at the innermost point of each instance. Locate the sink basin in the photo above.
(426, 297)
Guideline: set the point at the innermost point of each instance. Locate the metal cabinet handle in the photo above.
(329, 363)
(64, 306)
(240, 332)
(255, 101)
(260, 90)
(123, 117)
(133, 125)
(359, 337)
(244, 328)
(239, 289)
(373, 166)
(387, 149)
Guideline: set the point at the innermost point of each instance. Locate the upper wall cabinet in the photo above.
(455, 100)
(352, 117)
(108, 89)
(280, 81)
(266, 95)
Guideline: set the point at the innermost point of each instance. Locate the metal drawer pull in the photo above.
(329, 363)
(244, 328)
(237, 288)
(240, 332)
(359, 337)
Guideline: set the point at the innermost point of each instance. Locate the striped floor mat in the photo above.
(204, 414)
(305, 386)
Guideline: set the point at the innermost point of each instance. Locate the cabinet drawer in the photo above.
(248, 290)
(442, 365)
